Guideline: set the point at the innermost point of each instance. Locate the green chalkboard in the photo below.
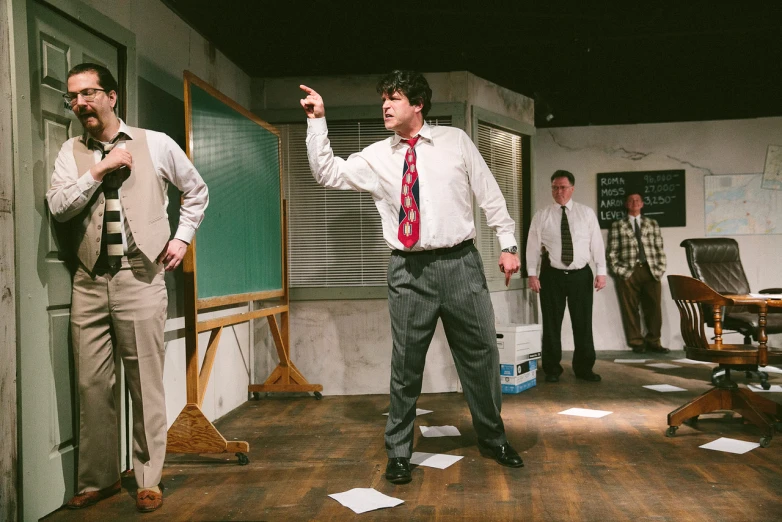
(239, 244)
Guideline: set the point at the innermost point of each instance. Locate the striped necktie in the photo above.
(112, 221)
(639, 240)
(409, 212)
(567, 240)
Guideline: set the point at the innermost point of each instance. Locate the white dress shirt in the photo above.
(450, 171)
(71, 191)
(584, 230)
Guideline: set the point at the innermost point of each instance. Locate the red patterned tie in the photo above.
(409, 212)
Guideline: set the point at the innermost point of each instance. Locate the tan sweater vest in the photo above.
(141, 197)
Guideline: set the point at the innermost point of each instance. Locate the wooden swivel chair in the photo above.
(692, 297)
(716, 261)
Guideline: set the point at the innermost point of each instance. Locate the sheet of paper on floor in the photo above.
(418, 411)
(630, 361)
(434, 460)
(582, 412)
(664, 366)
(731, 445)
(770, 369)
(664, 388)
(361, 500)
(439, 431)
(692, 361)
(758, 388)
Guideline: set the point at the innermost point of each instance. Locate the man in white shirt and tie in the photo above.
(565, 236)
(422, 180)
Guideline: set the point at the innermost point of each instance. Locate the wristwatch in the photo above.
(511, 250)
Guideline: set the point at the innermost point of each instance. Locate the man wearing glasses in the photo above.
(566, 235)
(110, 186)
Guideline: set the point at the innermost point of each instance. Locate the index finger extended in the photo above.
(308, 90)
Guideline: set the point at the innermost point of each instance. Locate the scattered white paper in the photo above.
(757, 388)
(692, 361)
(664, 388)
(664, 366)
(581, 412)
(770, 369)
(361, 500)
(434, 460)
(630, 361)
(731, 445)
(439, 431)
(418, 411)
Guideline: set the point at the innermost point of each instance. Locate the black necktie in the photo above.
(641, 253)
(112, 222)
(567, 241)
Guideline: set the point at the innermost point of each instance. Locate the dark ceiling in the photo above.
(608, 63)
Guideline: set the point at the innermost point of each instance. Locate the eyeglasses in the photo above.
(555, 188)
(87, 94)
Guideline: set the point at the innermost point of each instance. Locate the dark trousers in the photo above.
(574, 288)
(451, 286)
(640, 288)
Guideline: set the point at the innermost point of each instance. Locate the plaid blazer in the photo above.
(623, 248)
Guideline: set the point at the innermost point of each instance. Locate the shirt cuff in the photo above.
(87, 184)
(185, 234)
(506, 241)
(317, 126)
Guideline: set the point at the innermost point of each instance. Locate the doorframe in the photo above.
(13, 19)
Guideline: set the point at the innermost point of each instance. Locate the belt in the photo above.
(568, 271)
(435, 251)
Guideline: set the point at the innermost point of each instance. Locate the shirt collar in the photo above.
(425, 133)
(569, 205)
(123, 129)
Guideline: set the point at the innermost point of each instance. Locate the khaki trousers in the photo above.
(641, 288)
(123, 311)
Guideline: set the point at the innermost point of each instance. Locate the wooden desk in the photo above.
(760, 306)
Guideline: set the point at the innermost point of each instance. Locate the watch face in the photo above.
(511, 250)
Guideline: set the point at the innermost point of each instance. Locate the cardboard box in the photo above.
(518, 379)
(510, 389)
(518, 343)
(519, 368)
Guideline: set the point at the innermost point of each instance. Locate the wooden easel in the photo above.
(192, 432)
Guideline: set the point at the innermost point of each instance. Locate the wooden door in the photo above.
(48, 398)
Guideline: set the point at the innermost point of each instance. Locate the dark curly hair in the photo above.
(105, 78)
(410, 83)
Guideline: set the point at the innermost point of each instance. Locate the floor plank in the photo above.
(619, 467)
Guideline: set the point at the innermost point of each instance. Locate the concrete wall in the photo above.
(346, 344)
(166, 46)
(701, 149)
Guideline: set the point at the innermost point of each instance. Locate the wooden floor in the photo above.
(620, 467)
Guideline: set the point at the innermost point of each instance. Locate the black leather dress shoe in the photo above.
(591, 377)
(639, 349)
(398, 470)
(657, 349)
(550, 377)
(503, 454)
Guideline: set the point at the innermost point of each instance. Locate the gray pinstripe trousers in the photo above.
(423, 287)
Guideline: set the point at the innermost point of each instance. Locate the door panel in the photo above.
(48, 397)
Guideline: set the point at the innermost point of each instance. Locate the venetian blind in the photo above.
(501, 150)
(334, 236)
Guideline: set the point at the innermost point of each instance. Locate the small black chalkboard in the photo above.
(663, 192)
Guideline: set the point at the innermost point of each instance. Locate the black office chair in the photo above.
(716, 262)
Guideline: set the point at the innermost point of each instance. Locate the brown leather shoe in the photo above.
(148, 500)
(83, 500)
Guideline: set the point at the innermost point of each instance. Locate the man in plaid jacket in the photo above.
(637, 260)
